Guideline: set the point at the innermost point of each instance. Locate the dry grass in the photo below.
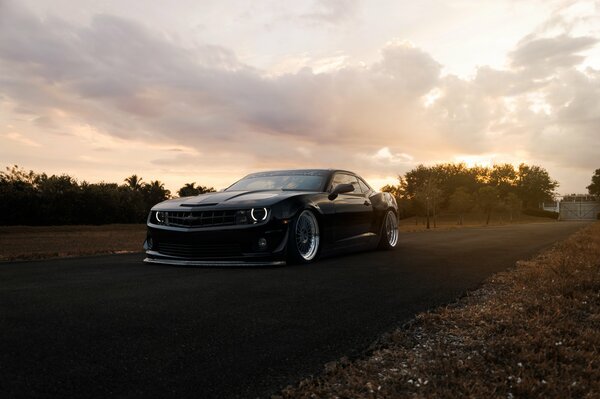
(449, 222)
(24, 242)
(532, 332)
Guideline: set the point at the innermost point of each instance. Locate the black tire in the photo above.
(304, 238)
(389, 231)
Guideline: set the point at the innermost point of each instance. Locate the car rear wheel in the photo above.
(304, 238)
(389, 231)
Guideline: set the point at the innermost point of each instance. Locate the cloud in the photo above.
(414, 72)
(569, 134)
(128, 81)
(332, 12)
(551, 53)
(19, 138)
(385, 154)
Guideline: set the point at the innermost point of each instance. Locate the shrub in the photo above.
(541, 213)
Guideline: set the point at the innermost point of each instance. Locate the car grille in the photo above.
(199, 218)
(199, 250)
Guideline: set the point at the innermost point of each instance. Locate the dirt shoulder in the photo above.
(532, 331)
(42, 242)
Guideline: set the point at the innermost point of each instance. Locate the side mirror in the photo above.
(340, 189)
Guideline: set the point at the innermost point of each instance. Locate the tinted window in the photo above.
(364, 186)
(279, 182)
(343, 178)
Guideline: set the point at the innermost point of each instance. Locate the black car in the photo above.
(269, 218)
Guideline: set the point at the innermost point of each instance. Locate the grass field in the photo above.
(533, 331)
(446, 221)
(42, 242)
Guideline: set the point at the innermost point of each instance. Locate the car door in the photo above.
(353, 211)
(369, 192)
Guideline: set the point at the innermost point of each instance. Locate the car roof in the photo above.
(304, 172)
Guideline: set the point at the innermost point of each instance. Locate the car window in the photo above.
(279, 182)
(364, 186)
(343, 178)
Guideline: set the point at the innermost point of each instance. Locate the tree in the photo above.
(30, 198)
(488, 198)
(102, 203)
(61, 196)
(534, 185)
(513, 204)
(190, 189)
(594, 188)
(206, 189)
(461, 202)
(16, 174)
(421, 203)
(503, 177)
(416, 179)
(20, 202)
(430, 194)
(436, 199)
(155, 192)
(448, 178)
(134, 182)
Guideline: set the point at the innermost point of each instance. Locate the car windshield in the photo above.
(279, 182)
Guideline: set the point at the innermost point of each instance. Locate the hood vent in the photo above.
(199, 204)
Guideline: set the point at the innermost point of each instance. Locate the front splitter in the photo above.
(182, 262)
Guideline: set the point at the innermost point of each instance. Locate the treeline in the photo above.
(30, 198)
(455, 188)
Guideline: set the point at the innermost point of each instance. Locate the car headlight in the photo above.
(158, 217)
(259, 214)
(251, 216)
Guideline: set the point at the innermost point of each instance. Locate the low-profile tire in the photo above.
(304, 238)
(389, 231)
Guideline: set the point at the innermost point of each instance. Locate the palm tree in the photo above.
(188, 190)
(134, 182)
(155, 192)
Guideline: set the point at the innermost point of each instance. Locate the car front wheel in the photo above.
(304, 238)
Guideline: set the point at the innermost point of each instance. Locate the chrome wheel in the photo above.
(391, 229)
(307, 235)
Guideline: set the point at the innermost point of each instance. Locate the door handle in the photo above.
(367, 203)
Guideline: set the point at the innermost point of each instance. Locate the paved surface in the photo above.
(113, 326)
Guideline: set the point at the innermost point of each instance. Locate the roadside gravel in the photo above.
(533, 331)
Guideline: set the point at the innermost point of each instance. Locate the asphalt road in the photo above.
(113, 326)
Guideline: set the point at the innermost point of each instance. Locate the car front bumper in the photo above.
(224, 246)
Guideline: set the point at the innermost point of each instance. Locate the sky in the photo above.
(209, 91)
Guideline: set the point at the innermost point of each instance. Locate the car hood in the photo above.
(229, 199)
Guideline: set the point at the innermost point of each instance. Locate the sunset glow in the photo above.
(475, 160)
(207, 92)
